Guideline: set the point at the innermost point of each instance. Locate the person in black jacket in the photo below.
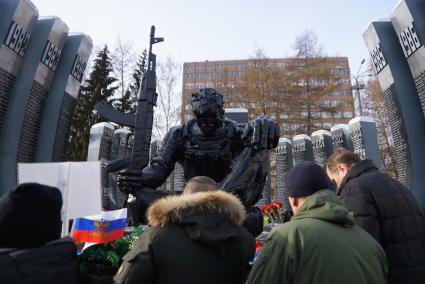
(386, 209)
(196, 237)
(31, 251)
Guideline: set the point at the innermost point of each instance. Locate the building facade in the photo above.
(279, 88)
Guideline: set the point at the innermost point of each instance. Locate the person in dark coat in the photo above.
(31, 251)
(196, 237)
(386, 209)
(320, 244)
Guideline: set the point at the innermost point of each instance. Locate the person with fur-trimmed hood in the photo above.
(196, 237)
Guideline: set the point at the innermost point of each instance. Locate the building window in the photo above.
(295, 126)
(199, 85)
(326, 114)
(327, 125)
(348, 114)
(189, 86)
(335, 103)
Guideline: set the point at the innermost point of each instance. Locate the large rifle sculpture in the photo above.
(141, 122)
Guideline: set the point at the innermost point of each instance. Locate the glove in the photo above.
(266, 133)
(254, 221)
(287, 215)
(128, 181)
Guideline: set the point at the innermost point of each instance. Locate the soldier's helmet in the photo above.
(208, 108)
(207, 101)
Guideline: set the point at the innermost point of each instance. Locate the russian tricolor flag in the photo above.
(102, 228)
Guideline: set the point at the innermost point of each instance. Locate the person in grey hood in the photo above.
(196, 237)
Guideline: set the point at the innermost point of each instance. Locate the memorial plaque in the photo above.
(341, 137)
(365, 139)
(17, 19)
(302, 149)
(407, 122)
(57, 32)
(177, 179)
(322, 146)
(399, 135)
(156, 147)
(62, 99)
(100, 142)
(408, 19)
(284, 163)
(26, 106)
(120, 149)
(100, 146)
(120, 144)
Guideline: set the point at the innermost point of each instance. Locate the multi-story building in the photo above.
(284, 88)
(284, 98)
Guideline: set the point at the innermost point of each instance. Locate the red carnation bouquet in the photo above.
(273, 211)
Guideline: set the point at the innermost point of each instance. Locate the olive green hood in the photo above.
(324, 205)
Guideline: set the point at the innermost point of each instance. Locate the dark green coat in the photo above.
(320, 244)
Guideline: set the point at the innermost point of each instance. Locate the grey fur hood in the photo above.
(175, 208)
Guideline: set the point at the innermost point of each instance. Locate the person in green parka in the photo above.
(321, 243)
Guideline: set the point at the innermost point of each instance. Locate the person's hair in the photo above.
(342, 156)
(200, 184)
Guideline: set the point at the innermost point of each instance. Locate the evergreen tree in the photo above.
(99, 87)
(128, 102)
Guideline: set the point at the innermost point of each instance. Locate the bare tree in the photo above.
(261, 84)
(167, 112)
(122, 57)
(314, 83)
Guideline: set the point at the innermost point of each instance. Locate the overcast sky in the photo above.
(198, 30)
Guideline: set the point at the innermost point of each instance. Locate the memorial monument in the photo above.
(322, 146)
(365, 138)
(398, 54)
(62, 99)
(18, 142)
(41, 69)
(302, 148)
(341, 137)
(17, 20)
(284, 163)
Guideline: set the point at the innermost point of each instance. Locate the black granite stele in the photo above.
(284, 163)
(400, 68)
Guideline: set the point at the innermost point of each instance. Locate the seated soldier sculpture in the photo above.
(233, 154)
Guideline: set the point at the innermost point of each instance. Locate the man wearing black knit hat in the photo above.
(321, 243)
(31, 250)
